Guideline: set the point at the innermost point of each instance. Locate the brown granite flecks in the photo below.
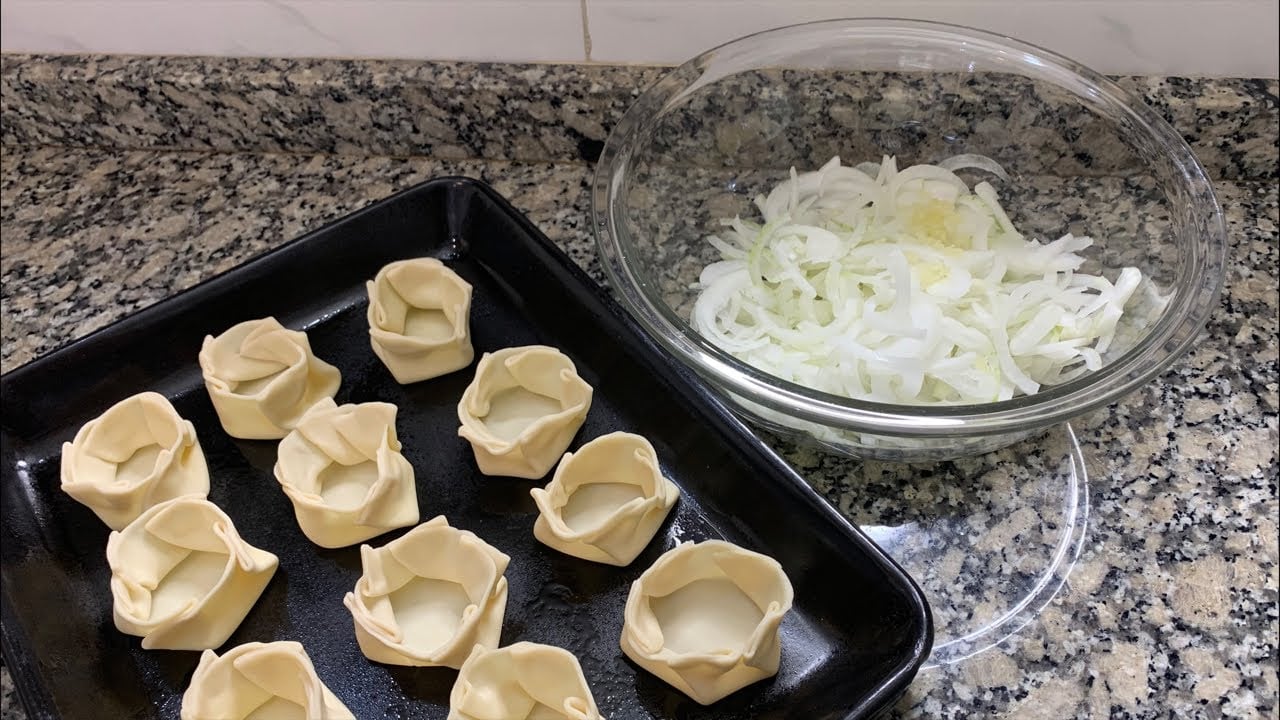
(1172, 609)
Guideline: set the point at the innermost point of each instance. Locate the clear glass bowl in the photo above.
(1084, 156)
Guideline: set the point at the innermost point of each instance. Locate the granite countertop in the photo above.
(1172, 607)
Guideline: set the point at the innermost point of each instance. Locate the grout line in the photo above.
(586, 33)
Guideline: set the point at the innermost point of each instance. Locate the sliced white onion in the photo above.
(978, 162)
(905, 286)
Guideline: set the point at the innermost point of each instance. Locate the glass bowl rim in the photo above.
(1198, 284)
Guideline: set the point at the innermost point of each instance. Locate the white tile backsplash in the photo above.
(536, 30)
(1174, 37)
(1162, 37)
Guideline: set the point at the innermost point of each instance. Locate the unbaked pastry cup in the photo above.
(606, 501)
(262, 680)
(419, 319)
(522, 410)
(452, 596)
(181, 576)
(342, 469)
(262, 377)
(705, 618)
(523, 680)
(138, 453)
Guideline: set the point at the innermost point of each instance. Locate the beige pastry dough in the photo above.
(605, 501)
(262, 377)
(705, 618)
(182, 578)
(342, 469)
(427, 598)
(522, 410)
(524, 681)
(138, 453)
(419, 319)
(260, 681)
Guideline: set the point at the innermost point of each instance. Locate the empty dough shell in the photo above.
(182, 578)
(342, 469)
(419, 319)
(705, 618)
(262, 377)
(523, 681)
(427, 598)
(605, 501)
(260, 680)
(138, 453)
(522, 410)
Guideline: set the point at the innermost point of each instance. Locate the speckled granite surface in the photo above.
(502, 112)
(1172, 608)
(446, 110)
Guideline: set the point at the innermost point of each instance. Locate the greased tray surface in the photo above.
(858, 632)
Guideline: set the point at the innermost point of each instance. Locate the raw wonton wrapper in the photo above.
(182, 578)
(262, 681)
(419, 319)
(522, 410)
(427, 598)
(138, 453)
(262, 377)
(705, 618)
(605, 501)
(342, 469)
(524, 681)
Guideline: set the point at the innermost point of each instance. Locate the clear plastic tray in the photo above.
(990, 539)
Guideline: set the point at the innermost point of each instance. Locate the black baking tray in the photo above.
(859, 630)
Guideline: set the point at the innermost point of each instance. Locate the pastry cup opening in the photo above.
(346, 487)
(132, 434)
(429, 597)
(590, 506)
(430, 611)
(515, 410)
(522, 409)
(711, 616)
(428, 324)
(603, 477)
(706, 618)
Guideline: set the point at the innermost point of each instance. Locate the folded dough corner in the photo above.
(420, 319)
(262, 377)
(260, 680)
(524, 680)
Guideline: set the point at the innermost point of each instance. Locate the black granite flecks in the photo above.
(564, 112)
(1172, 608)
